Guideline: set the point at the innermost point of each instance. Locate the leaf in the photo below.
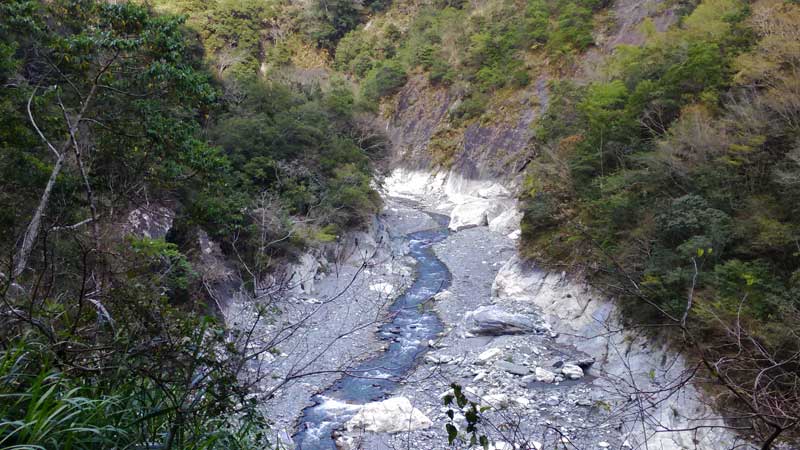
(472, 416)
(452, 433)
(484, 442)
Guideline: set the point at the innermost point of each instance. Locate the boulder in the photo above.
(512, 368)
(500, 445)
(496, 321)
(494, 190)
(474, 213)
(572, 371)
(496, 401)
(394, 415)
(382, 288)
(544, 375)
(583, 363)
(443, 296)
(507, 222)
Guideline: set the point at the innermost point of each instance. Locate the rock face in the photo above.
(495, 321)
(394, 415)
(302, 274)
(507, 222)
(469, 203)
(153, 221)
(585, 319)
(476, 213)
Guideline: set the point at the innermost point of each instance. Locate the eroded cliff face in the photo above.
(495, 148)
(630, 366)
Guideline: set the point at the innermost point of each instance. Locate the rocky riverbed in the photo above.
(543, 355)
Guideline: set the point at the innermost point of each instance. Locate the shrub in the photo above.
(470, 107)
(385, 79)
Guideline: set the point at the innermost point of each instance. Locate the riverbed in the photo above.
(402, 344)
(412, 325)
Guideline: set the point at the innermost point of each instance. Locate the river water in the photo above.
(412, 325)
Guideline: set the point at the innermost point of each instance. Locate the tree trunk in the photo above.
(32, 231)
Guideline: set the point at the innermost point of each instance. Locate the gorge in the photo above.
(381, 224)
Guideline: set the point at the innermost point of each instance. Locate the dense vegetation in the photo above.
(107, 338)
(675, 183)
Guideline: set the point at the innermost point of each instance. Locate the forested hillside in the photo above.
(660, 160)
(109, 338)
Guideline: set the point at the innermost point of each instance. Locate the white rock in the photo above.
(603, 444)
(382, 288)
(500, 445)
(544, 375)
(572, 371)
(303, 273)
(345, 443)
(496, 401)
(522, 401)
(537, 445)
(489, 354)
(475, 213)
(389, 416)
(468, 215)
(507, 222)
(444, 295)
(492, 191)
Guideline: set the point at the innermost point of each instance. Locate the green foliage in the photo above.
(330, 20)
(572, 30)
(299, 148)
(44, 407)
(47, 410)
(675, 172)
(384, 79)
(456, 43)
(470, 108)
(458, 401)
(690, 216)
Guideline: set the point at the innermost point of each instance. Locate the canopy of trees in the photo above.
(108, 338)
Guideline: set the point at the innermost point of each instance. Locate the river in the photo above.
(413, 323)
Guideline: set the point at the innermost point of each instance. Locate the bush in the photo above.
(470, 107)
(385, 79)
